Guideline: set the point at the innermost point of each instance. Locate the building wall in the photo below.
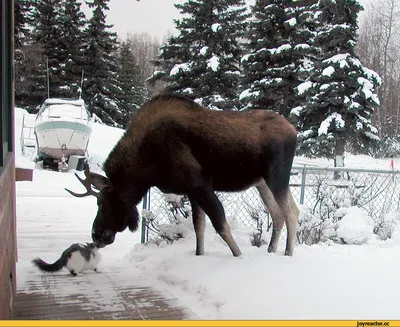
(8, 239)
(8, 247)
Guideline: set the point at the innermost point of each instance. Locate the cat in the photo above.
(77, 258)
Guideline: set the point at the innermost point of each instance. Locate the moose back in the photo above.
(180, 147)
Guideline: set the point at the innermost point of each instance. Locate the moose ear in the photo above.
(99, 181)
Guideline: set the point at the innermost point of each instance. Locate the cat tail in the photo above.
(50, 268)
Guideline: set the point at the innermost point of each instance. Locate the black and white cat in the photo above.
(77, 258)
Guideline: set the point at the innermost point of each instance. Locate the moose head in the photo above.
(113, 215)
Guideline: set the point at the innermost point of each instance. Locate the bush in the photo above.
(387, 148)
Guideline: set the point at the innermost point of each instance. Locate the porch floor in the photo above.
(64, 297)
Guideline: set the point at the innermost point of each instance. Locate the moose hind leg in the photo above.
(278, 218)
(199, 223)
(209, 202)
(291, 217)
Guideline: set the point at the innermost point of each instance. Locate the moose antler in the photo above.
(87, 183)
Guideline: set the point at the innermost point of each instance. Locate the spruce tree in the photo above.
(339, 97)
(47, 33)
(280, 53)
(23, 55)
(133, 92)
(21, 22)
(203, 60)
(73, 44)
(100, 88)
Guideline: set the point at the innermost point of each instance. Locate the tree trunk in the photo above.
(339, 155)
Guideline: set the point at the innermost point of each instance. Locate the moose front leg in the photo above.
(209, 202)
(199, 223)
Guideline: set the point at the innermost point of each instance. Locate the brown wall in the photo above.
(7, 238)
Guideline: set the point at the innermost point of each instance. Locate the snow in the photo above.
(248, 93)
(334, 117)
(216, 27)
(323, 281)
(367, 87)
(280, 49)
(302, 46)
(245, 58)
(296, 111)
(213, 63)
(179, 67)
(303, 87)
(355, 226)
(328, 71)
(291, 22)
(338, 59)
(203, 50)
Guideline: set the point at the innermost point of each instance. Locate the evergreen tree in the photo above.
(73, 44)
(133, 92)
(100, 88)
(21, 22)
(53, 56)
(47, 33)
(22, 55)
(340, 94)
(280, 53)
(203, 61)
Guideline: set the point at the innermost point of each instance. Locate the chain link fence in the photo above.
(318, 191)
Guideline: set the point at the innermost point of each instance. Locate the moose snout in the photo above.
(103, 238)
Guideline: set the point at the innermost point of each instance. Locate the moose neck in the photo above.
(123, 172)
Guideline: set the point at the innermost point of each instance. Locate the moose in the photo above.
(180, 147)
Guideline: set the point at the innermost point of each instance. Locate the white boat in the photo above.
(62, 129)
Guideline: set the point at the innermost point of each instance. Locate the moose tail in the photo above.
(50, 268)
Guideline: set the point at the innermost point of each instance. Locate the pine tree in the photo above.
(100, 88)
(280, 53)
(203, 61)
(133, 92)
(340, 94)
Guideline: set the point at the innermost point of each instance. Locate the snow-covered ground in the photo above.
(324, 281)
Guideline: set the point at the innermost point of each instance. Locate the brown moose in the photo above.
(180, 147)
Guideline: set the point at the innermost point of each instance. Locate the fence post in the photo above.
(303, 185)
(146, 205)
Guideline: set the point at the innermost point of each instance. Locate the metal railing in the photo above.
(320, 191)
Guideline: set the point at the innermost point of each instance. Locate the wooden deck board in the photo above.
(60, 297)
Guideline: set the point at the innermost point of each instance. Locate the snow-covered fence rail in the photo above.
(320, 192)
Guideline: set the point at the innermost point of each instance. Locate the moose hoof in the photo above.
(289, 252)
